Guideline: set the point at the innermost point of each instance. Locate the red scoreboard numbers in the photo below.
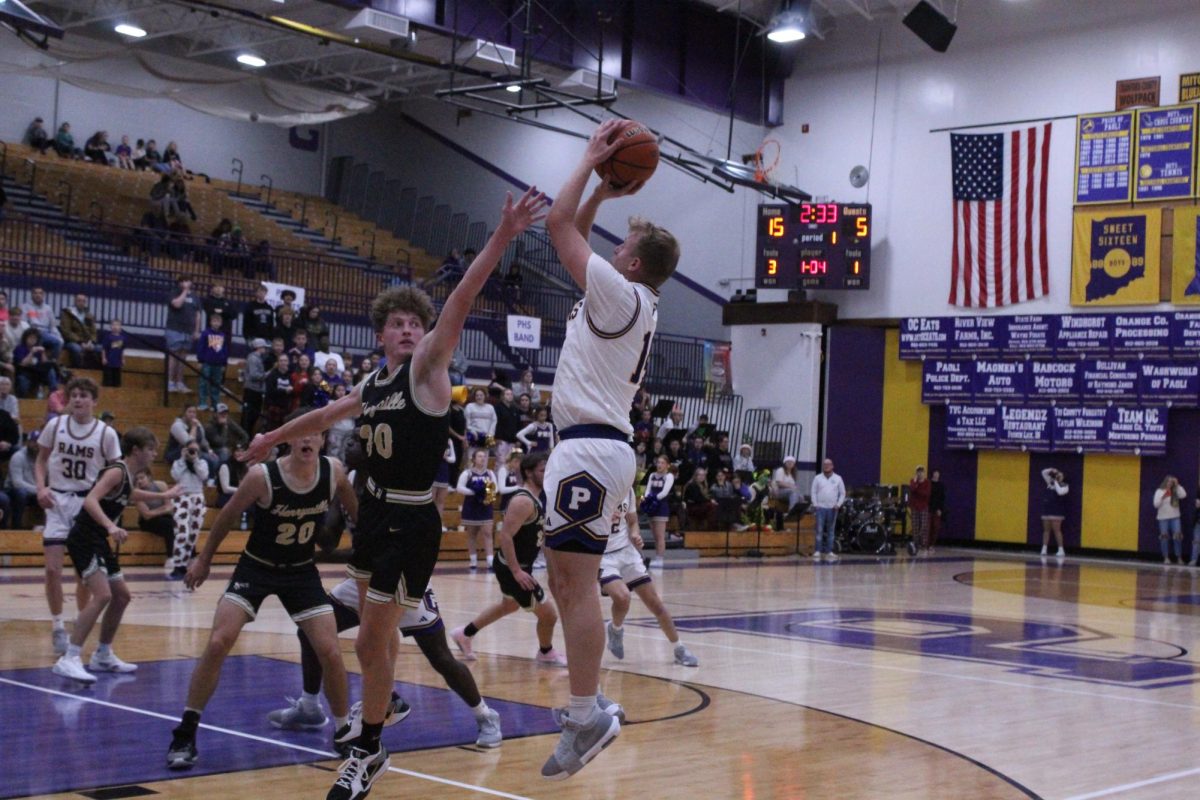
(814, 246)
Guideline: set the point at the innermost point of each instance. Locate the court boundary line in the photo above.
(287, 745)
(1125, 787)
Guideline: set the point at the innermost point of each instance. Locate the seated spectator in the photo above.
(41, 317)
(704, 428)
(673, 424)
(153, 157)
(37, 137)
(743, 463)
(499, 382)
(260, 261)
(229, 477)
(450, 270)
(232, 252)
(179, 196)
(8, 400)
(179, 238)
(78, 328)
(139, 155)
(112, 353)
(64, 142)
(364, 369)
(21, 483)
(280, 396)
(643, 429)
(156, 516)
(7, 368)
(96, 148)
(36, 372)
(10, 435)
(318, 330)
(3, 307)
(785, 490)
(56, 401)
(172, 160)
(224, 435)
(701, 507)
(719, 458)
(160, 195)
(187, 428)
(15, 326)
(124, 154)
(258, 318)
(730, 502)
(331, 364)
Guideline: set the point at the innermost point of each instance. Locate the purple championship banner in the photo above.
(1024, 428)
(1032, 334)
(994, 379)
(971, 425)
(1103, 153)
(1166, 140)
(1110, 379)
(1080, 429)
(922, 337)
(943, 380)
(1054, 381)
(1176, 383)
(1137, 430)
(1148, 334)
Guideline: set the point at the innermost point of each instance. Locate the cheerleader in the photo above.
(656, 507)
(476, 513)
(441, 481)
(539, 435)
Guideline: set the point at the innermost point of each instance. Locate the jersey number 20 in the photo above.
(290, 534)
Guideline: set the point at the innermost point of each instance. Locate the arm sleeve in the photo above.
(201, 469)
(461, 488)
(23, 478)
(668, 484)
(502, 480)
(1159, 496)
(1060, 489)
(1046, 475)
(177, 470)
(523, 433)
(1180, 492)
(179, 431)
(841, 491)
(223, 479)
(612, 303)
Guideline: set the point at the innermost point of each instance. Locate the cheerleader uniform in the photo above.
(471, 485)
(658, 487)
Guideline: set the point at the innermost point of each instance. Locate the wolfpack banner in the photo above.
(1115, 258)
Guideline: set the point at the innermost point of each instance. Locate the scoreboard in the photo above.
(813, 246)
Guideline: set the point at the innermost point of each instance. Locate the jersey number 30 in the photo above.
(289, 534)
(74, 470)
(377, 439)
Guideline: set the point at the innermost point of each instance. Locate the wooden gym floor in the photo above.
(960, 675)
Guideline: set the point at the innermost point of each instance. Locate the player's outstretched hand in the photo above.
(257, 451)
(197, 574)
(606, 191)
(516, 217)
(599, 148)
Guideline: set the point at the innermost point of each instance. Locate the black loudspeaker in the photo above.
(931, 25)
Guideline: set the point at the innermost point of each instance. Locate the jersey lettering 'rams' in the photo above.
(527, 541)
(111, 504)
(619, 536)
(604, 356)
(403, 442)
(78, 453)
(284, 526)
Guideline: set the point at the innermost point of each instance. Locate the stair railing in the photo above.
(332, 238)
(31, 169)
(270, 184)
(238, 166)
(69, 190)
(303, 211)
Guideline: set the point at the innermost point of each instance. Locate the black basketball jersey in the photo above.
(527, 541)
(112, 504)
(403, 444)
(283, 529)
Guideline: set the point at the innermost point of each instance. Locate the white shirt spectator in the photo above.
(321, 359)
(481, 418)
(20, 472)
(743, 462)
(828, 492)
(192, 480)
(1165, 509)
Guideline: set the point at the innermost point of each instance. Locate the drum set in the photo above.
(874, 523)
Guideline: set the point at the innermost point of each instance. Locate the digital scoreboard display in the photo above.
(813, 246)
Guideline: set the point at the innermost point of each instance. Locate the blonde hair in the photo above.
(657, 248)
(407, 299)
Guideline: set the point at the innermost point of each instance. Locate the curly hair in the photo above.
(408, 299)
(86, 384)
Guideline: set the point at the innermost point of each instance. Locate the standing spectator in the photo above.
(701, 507)
(1054, 508)
(156, 516)
(271, 357)
(258, 318)
(35, 370)
(525, 408)
(919, 490)
(704, 428)
(1170, 526)
(124, 154)
(300, 348)
(828, 492)
(187, 428)
(279, 396)
(37, 137)
(543, 433)
(286, 327)
(527, 386)
(212, 351)
(96, 148)
(10, 436)
(719, 458)
(643, 427)
(218, 303)
(743, 464)
(481, 420)
(179, 196)
(784, 490)
(21, 483)
(937, 507)
(499, 382)
(318, 330)
(182, 331)
(694, 458)
(64, 142)
(287, 302)
(190, 472)
(41, 317)
(253, 388)
(78, 328)
(112, 353)
(508, 423)
(224, 435)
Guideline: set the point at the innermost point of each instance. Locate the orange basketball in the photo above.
(636, 158)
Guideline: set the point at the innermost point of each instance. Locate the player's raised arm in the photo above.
(315, 421)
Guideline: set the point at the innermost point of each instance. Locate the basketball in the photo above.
(636, 158)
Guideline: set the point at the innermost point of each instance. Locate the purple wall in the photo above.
(1071, 465)
(1183, 461)
(960, 470)
(854, 402)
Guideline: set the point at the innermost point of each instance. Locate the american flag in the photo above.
(999, 217)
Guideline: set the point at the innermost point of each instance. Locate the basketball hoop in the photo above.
(761, 171)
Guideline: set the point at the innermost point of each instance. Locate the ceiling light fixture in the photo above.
(251, 60)
(789, 24)
(513, 87)
(132, 31)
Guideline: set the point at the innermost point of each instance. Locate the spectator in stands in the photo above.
(300, 347)
(279, 398)
(673, 450)
(151, 235)
(139, 155)
(182, 331)
(918, 509)
(450, 270)
(3, 307)
(525, 408)
(37, 137)
(513, 279)
(729, 501)
(8, 400)
(224, 435)
(499, 382)
(160, 196)
(641, 457)
(40, 316)
(229, 477)
(156, 516)
(153, 157)
(97, 148)
(342, 431)
(253, 384)
(784, 489)
(286, 327)
(318, 331)
(643, 429)
(218, 303)
(124, 154)
(674, 422)
(15, 327)
(827, 494)
(179, 196)
(694, 458)
(539, 435)
(212, 351)
(719, 458)
(64, 142)
(260, 261)
(332, 365)
(36, 371)
(224, 227)
(179, 238)
(299, 375)
(10, 435)
(56, 401)
(526, 385)
(318, 392)
(232, 252)
(190, 471)
(701, 507)
(21, 483)
(7, 368)
(287, 302)
(1054, 508)
(278, 348)
(458, 368)
(78, 328)
(187, 428)
(743, 463)
(1167, 511)
(364, 369)
(704, 429)
(171, 159)
(508, 423)
(258, 318)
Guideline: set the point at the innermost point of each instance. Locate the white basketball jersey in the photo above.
(619, 537)
(603, 359)
(78, 452)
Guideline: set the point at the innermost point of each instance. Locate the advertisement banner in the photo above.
(1054, 381)
(969, 426)
(1080, 429)
(976, 335)
(1032, 334)
(1115, 258)
(1166, 143)
(922, 337)
(1024, 428)
(1185, 333)
(943, 380)
(998, 380)
(1083, 333)
(1103, 157)
(1177, 383)
(1147, 334)
(1137, 430)
(1110, 379)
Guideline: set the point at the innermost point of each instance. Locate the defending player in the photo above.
(402, 419)
(519, 541)
(622, 570)
(601, 366)
(96, 564)
(72, 449)
(290, 496)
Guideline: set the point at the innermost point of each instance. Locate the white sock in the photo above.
(616, 627)
(340, 722)
(104, 650)
(581, 709)
(57, 621)
(73, 651)
(481, 711)
(310, 700)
